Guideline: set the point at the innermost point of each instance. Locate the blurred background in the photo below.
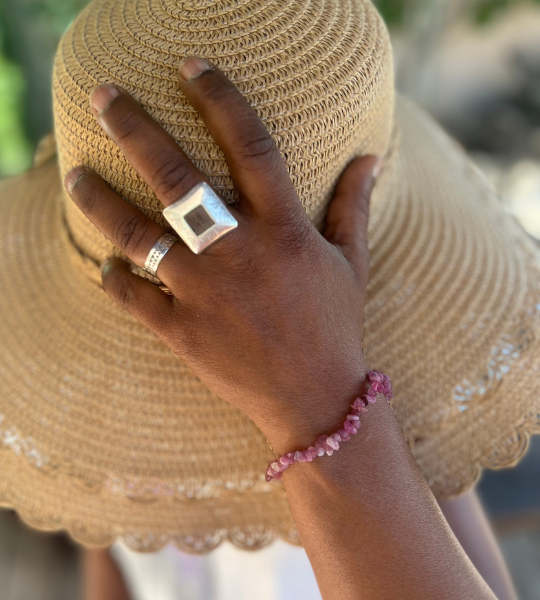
(474, 64)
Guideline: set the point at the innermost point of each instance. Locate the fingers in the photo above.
(125, 225)
(259, 172)
(255, 163)
(155, 155)
(348, 214)
(147, 146)
(143, 300)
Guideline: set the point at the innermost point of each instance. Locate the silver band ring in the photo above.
(159, 249)
(200, 217)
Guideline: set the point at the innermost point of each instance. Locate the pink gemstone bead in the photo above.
(349, 427)
(358, 403)
(331, 441)
(285, 462)
(320, 449)
(270, 474)
(378, 387)
(328, 444)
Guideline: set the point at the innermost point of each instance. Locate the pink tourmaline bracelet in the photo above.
(379, 383)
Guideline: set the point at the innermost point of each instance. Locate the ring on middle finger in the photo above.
(200, 217)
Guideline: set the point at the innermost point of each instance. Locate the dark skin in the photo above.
(287, 303)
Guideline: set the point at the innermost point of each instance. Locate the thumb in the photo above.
(348, 213)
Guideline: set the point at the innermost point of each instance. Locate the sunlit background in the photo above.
(474, 64)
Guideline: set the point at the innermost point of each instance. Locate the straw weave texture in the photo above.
(103, 431)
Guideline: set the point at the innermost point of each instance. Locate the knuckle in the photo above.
(121, 288)
(290, 227)
(294, 235)
(125, 124)
(130, 231)
(261, 148)
(362, 207)
(229, 248)
(125, 293)
(172, 177)
(216, 88)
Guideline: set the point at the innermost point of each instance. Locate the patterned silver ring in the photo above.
(159, 249)
(200, 217)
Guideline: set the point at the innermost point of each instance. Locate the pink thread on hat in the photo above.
(379, 383)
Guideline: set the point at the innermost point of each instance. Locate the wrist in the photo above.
(314, 416)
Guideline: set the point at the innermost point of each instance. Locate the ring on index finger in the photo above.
(200, 217)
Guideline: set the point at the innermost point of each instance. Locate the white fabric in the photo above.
(277, 572)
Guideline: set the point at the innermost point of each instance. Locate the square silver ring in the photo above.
(200, 217)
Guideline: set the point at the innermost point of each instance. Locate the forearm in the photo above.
(468, 521)
(370, 524)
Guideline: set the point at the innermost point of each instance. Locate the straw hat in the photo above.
(105, 432)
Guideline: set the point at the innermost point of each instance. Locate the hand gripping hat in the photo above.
(105, 433)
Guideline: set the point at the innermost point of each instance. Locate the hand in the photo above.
(270, 316)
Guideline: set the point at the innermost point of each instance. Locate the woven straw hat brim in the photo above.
(106, 434)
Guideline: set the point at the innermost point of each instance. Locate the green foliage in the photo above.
(59, 13)
(53, 17)
(484, 11)
(392, 11)
(481, 12)
(15, 149)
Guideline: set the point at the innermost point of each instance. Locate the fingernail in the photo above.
(107, 266)
(72, 178)
(193, 66)
(102, 96)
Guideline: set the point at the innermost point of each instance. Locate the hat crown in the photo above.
(319, 73)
